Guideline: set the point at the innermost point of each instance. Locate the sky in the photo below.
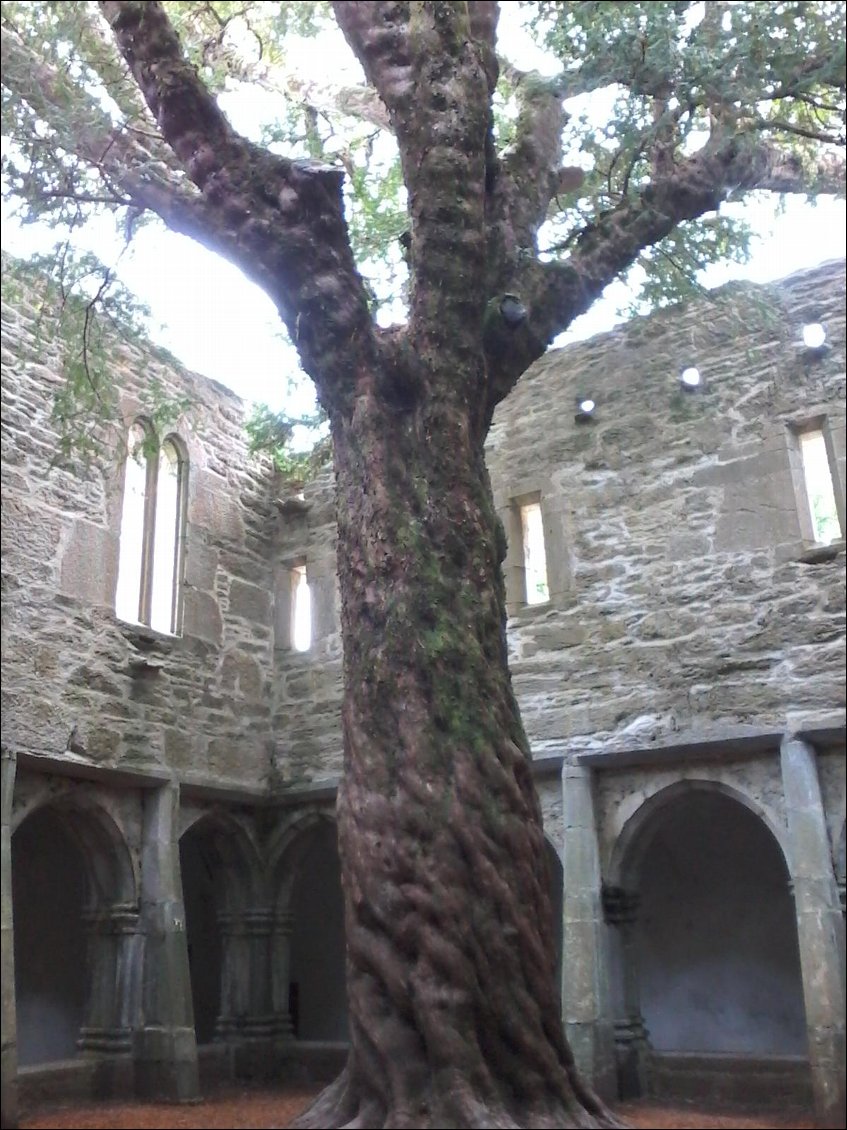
(219, 324)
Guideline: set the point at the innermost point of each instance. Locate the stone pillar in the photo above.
(514, 569)
(258, 923)
(246, 1018)
(585, 985)
(9, 1094)
(820, 929)
(283, 923)
(322, 577)
(235, 988)
(165, 1043)
(631, 1037)
(114, 958)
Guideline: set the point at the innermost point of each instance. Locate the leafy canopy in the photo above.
(644, 87)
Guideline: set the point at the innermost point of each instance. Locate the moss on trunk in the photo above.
(451, 964)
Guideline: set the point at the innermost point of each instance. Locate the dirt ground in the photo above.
(273, 1109)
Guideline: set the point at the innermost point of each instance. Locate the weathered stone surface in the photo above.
(684, 606)
(68, 661)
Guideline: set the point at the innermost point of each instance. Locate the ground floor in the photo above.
(232, 1108)
(161, 936)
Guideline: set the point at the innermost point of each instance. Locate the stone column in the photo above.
(258, 923)
(9, 1105)
(254, 1056)
(585, 986)
(631, 1038)
(820, 928)
(514, 569)
(235, 988)
(165, 1043)
(114, 957)
(283, 923)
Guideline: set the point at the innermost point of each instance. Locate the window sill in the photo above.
(144, 637)
(816, 554)
(525, 611)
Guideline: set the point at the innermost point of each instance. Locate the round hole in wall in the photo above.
(690, 377)
(814, 335)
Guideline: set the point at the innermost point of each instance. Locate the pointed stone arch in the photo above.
(699, 890)
(309, 968)
(228, 921)
(77, 941)
(630, 842)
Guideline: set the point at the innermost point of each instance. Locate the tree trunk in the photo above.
(454, 1010)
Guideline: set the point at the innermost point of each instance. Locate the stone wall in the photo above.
(80, 684)
(690, 655)
(684, 598)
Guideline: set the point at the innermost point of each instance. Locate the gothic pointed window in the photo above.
(152, 530)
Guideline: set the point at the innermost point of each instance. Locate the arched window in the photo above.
(152, 530)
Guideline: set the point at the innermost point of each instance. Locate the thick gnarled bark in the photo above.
(454, 1012)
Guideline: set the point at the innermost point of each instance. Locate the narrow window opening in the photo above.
(301, 610)
(534, 554)
(163, 600)
(820, 490)
(152, 526)
(128, 595)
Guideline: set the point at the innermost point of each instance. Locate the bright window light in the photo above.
(690, 377)
(165, 547)
(814, 335)
(301, 610)
(819, 487)
(534, 555)
(131, 561)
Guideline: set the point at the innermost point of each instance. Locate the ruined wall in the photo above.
(77, 681)
(683, 596)
(683, 600)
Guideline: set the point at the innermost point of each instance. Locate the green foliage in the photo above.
(85, 314)
(646, 82)
(824, 518)
(276, 434)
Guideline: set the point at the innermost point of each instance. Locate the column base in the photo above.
(166, 1064)
(108, 1041)
(826, 1058)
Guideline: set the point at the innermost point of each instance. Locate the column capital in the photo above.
(283, 922)
(258, 920)
(119, 918)
(632, 1030)
(620, 906)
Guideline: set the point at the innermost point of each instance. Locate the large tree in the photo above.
(454, 1017)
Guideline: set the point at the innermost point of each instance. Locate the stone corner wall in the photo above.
(79, 684)
(689, 600)
(683, 596)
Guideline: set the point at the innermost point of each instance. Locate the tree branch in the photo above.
(135, 162)
(280, 221)
(433, 77)
(187, 114)
(557, 293)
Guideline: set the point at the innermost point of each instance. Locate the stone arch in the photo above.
(226, 907)
(113, 873)
(624, 854)
(310, 974)
(699, 878)
(75, 898)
